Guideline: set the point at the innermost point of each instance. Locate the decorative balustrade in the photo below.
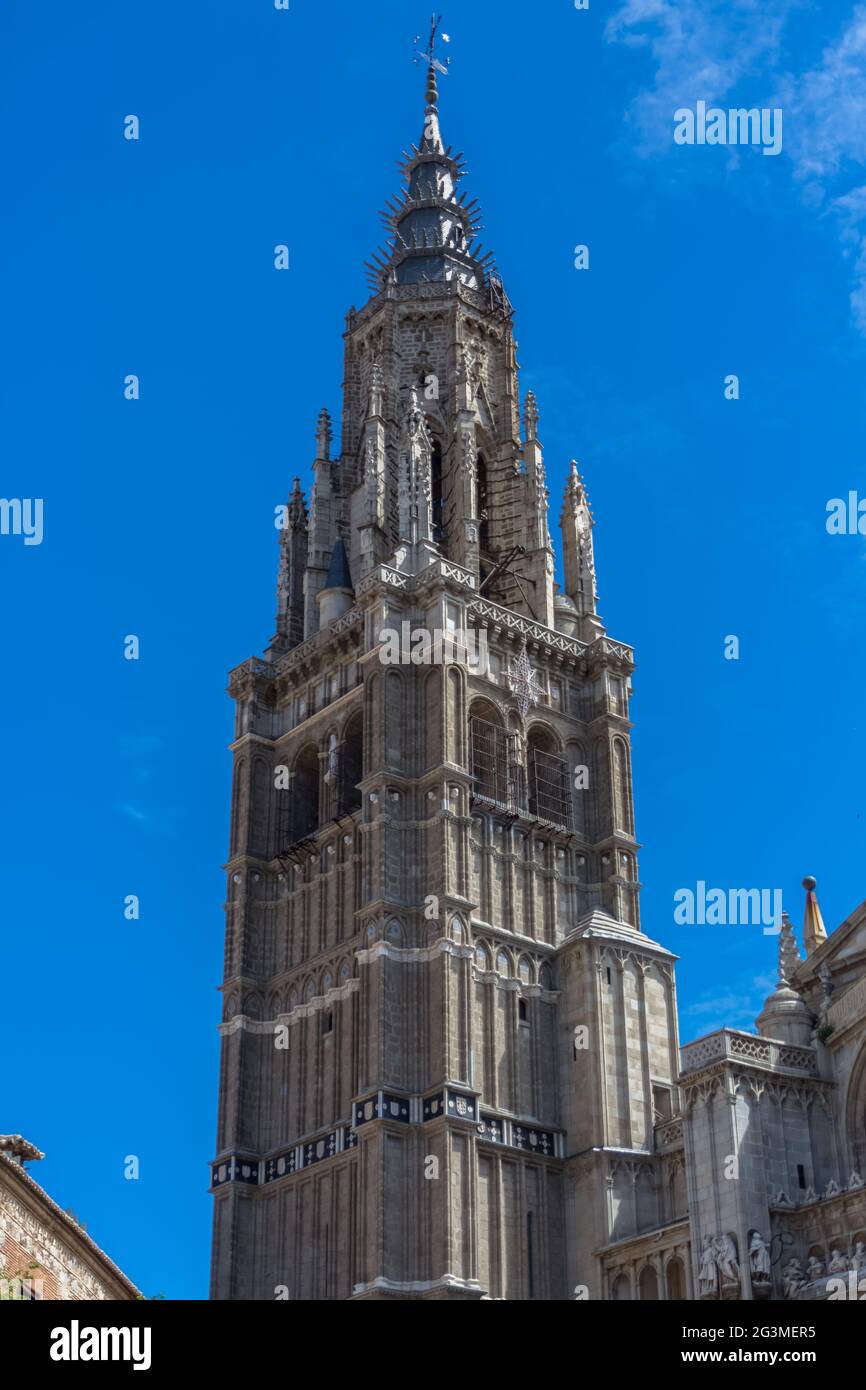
(732, 1046)
(534, 632)
(669, 1133)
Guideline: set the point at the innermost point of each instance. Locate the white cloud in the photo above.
(701, 49)
(724, 1005)
(704, 49)
(829, 106)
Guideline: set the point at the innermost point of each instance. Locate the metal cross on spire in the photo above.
(429, 54)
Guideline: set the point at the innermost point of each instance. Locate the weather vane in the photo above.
(429, 56)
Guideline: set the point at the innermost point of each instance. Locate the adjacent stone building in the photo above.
(450, 1056)
(44, 1252)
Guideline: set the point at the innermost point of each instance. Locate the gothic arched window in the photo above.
(483, 506)
(302, 800)
(620, 1291)
(648, 1285)
(547, 775)
(676, 1282)
(621, 798)
(437, 513)
(351, 766)
(492, 755)
(578, 770)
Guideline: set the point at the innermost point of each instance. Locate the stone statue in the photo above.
(815, 1268)
(726, 1259)
(858, 1259)
(708, 1278)
(759, 1258)
(838, 1262)
(793, 1277)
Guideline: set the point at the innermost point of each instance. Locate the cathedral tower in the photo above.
(444, 1034)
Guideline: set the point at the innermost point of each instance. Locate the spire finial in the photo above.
(814, 931)
(789, 951)
(433, 64)
(575, 492)
(323, 435)
(530, 416)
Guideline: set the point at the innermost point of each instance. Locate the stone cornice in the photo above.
(675, 1232)
(443, 292)
(242, 1023)
(485, 613)
(256, 673)
(602, 652)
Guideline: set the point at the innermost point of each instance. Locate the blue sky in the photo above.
(156, 257)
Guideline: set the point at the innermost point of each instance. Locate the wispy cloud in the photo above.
(707, 49)
(701, 49)
(139, 753)
(737, 1008)
(725, 1005)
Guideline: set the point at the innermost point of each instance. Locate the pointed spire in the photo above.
(377, 389)
(785, 1015)
(323, 435)
(432, 93)
(290, 575)
(338, 576)
(814, 931)
(415, 414)
(530, 416)
(415, 485)
(578, 555)
(576, 496)
(297, 510)
(432, 230)
(336, 594)
(789, 951)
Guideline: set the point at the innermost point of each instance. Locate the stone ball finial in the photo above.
(810, 883)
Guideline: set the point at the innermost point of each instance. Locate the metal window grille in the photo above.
(350, 773)
(549, 797)
(494, 763)
(284, 827)
(297, 817)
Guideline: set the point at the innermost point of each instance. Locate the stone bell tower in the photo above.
(420, 844)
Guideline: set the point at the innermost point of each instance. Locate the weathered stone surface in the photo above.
(450, 1055)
